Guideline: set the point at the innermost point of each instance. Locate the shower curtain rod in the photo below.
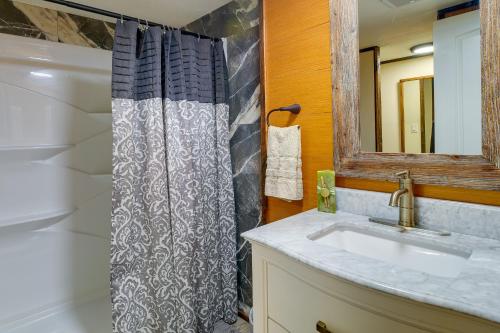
(108, 13)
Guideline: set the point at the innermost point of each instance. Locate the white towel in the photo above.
(284, 163)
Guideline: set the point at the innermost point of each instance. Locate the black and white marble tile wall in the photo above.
(17, 18)
(238, 23)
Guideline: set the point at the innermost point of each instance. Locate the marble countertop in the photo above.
(475, 291)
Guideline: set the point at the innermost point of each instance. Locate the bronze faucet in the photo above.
(403, 198)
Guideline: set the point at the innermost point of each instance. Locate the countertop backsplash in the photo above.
(465, 218)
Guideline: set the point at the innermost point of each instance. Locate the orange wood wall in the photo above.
(296, 69)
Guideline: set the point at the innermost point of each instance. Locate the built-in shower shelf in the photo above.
(30, 153)
(35, 221)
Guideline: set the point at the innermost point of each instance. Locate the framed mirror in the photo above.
(415, 86)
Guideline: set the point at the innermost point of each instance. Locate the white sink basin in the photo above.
(419, 255)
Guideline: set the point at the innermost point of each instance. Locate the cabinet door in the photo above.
(274, 327)
(297, 306)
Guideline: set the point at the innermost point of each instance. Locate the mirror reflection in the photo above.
(420, 76)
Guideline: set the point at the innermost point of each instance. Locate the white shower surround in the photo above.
(55, 187)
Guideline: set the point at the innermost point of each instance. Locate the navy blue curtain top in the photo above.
(168, 64)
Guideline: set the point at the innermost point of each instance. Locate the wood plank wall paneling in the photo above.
(296, 69)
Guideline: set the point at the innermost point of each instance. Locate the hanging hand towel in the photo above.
(284, 164)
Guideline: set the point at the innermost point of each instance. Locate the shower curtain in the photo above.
(173, 241)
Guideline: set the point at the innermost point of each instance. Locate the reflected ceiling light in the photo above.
(38, 58)
(422, 48)
(40, 74)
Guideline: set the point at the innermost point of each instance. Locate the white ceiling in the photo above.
(175, 13)
(395, 30)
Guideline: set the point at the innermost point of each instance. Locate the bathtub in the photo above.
(54, 281)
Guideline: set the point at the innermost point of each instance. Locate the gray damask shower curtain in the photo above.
(173, 244)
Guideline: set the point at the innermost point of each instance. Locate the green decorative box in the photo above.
(326, 191)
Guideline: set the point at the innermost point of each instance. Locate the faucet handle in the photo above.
(404, 174)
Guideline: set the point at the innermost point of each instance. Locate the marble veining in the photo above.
(475, 291)
(20, 19)
(229, 20)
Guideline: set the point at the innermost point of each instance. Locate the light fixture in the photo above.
(422, 48)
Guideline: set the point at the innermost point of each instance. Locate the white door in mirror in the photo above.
(457, 80)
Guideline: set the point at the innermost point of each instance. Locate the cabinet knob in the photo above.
(321, 327)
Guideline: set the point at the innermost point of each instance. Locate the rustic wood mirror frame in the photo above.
(466, 171)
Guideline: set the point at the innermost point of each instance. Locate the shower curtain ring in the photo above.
(199, 37)
(147, 24)
(121, 18)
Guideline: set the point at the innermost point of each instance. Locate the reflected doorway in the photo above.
(416, 114)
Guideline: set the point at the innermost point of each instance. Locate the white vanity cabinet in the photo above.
(290, 296)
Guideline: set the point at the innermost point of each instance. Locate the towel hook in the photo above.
(294, 108)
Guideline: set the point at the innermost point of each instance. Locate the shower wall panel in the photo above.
(55, 183)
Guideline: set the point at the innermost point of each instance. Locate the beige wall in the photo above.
(390, 74)
(367, 101)
(411, 101)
